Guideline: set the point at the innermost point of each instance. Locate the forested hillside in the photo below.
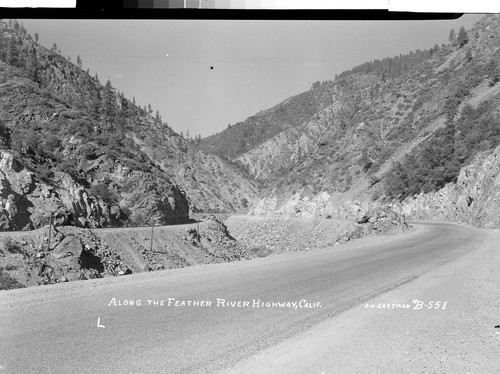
(244, 136)
(75, 147)
(386, 129)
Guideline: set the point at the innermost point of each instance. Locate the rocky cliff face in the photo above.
(278, 155)
(84, 152)
(474, 199)
(72, 204)
(372, 123)
(320, 205)
(214, 185)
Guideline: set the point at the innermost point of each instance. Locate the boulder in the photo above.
(69, 246)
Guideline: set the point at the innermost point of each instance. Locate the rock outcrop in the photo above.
(380, 221)
(80, 150)
(342, 157)
(213, 185)
(76, 253)
(72, 254)
(474, 199)
(148, 197)
(302, 204)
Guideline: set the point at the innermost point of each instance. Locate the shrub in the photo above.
(102, 192)
(44, 172)
(7, 282)
(138, 219)
(261, 251)
(12, 246)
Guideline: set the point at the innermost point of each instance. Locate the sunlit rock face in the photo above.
(474, 199)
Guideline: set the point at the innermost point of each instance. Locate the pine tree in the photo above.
(95, 99)
(36, 38)
(12, 52)
(2, 46)
(452, 36)
(79, 61)
(434, 49)
(468, 55)
(462, 39)
(109, 108)
(54, 48)
(32, 66)
(493, 72)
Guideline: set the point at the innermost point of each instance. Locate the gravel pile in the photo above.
(276, 234)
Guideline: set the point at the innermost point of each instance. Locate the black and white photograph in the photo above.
(250, 194)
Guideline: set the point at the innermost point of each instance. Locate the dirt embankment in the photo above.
(174, 246)
(277, 234)
(27, 259)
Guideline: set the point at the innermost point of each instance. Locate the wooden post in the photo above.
(151, 244)
(198, 226)
(50, 231)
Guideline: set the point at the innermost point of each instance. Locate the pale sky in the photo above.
(256, 64)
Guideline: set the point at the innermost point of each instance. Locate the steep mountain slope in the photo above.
(389, 130)
(245, 136)
(92, 157)
(474, 199)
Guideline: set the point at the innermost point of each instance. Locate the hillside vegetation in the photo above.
(246, 135)
(387, 129)
(77, 148)
(411, 136)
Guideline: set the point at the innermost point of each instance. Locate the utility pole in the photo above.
(198, 226)
(151, 244)
(50, 231)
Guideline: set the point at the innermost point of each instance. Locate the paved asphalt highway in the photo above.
(81, 327)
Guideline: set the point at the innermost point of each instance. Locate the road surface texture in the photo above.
(322, 323)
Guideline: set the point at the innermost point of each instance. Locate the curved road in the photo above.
(80, 327)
